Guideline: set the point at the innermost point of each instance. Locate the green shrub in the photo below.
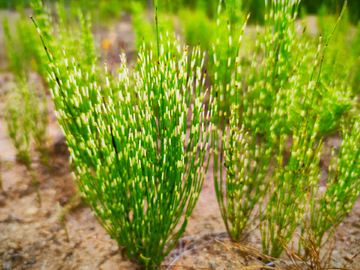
(290, 186)
(26, 54)
(26, 121)
(286, 95)
(329, 207)
(132, 160)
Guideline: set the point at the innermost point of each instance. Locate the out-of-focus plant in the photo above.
(34, 112)
(39, 117)
(136, 162)
(290, 187)
(329, 207)
(285, 94)
(72, 33)
(245, 156)
(28, 55)
(246, 145)
(18, 115)
(144, 32)
(15, 64)
(62, 214)
(355, 50)
(197, 27)
(110, 10)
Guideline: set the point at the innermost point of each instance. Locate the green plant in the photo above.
(355, 50)
(18, 115)
(62, 214)
(328, 208)
(109, 9)
(143, 30)
(284, 96)
(197, 27)
(132, 159)
(15, 64)
(26, 54)
(35, 111)
(246, 158)
(290, 187)
(251, 97)
(39, 117)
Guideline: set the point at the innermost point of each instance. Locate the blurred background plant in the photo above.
(272, 118)
(25, 123)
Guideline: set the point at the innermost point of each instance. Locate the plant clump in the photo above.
(136, 160)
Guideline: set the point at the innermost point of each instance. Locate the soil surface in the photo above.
(33, 237)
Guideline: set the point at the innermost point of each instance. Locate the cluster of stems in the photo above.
(268, 134)
(139, 147)
(26, 121)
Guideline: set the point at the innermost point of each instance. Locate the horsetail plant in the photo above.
(135, 160)
(62, 214)
(246, 145)
(246, 157)
(18, 114)
(295, 183)
(39, 116)
(329, 207)
(291, 186)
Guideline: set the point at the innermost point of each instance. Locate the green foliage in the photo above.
(27, 54)
(144, 32)
(234, 9)
(39, 119)
(26, 122)
(245, 156)
(286, 95)
(109, 9)
(197, 27)
(355, 50)
(132, 160)
(27, 116)
(15, 64)
(290, 186)
(329, 207)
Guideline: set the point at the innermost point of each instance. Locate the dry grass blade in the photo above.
(177, 267)
(352, 259)
(295, 259)
(258, 267)
(257, 254)
(313, 259)
(232, 253)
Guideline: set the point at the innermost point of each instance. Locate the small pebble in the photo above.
(32, 210)
(30, 262)
(45, 233)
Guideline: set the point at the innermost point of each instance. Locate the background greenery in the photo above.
(256, 7)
